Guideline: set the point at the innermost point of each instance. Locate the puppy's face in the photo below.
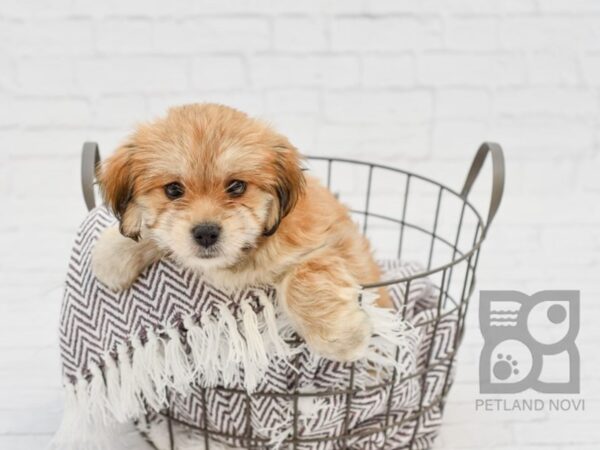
(207, 183)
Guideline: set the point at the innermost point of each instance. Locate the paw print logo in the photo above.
(505, 367)
(521, 334)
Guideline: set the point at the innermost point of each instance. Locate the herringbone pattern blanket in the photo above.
(174, 339)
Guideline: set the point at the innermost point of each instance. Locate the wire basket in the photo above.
(407, 217)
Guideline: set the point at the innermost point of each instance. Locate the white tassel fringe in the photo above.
(219, 348)
(177, 371)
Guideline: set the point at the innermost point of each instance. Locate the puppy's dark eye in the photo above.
(174, 190)
(236, 188)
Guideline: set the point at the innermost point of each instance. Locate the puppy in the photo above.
(224, 194)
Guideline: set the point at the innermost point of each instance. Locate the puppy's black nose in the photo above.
(206, 234)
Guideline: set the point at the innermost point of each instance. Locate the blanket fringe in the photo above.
(232, 348)
(112, 379)
(279, 345)
(208, 352)
(131, 406)
(146, 377)
(214, 350)
(178, 372)
(255, 357)
(97, 395)
(79, 429)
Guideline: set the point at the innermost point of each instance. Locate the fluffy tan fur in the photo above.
(285, 229)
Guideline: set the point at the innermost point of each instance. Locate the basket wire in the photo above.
(452, 298)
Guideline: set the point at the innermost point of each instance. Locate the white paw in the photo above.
(346, 340)
(117, 260)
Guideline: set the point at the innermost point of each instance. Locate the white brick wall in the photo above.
(413, 83)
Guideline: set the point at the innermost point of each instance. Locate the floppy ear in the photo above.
(117, 186)
(289, 186)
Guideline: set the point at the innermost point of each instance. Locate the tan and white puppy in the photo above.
(225, 194)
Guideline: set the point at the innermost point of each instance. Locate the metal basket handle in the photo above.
(497, 177)
(90, 158)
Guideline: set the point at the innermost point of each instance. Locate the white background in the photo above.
(417, 84)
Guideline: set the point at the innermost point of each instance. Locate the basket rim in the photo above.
(466, 255)
(91, 158)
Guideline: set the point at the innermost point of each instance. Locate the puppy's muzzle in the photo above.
(206, 234)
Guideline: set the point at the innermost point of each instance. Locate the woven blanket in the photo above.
(172, 338)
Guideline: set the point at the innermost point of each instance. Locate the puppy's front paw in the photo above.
(346, 339)
(116, 260)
